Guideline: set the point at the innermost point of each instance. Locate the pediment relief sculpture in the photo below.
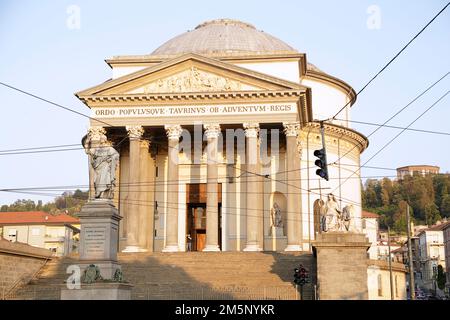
(193, 80)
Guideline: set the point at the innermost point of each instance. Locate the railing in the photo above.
(189, 292)
(10, 292)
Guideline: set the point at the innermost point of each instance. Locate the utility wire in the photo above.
(52, 103)
(399, 111)
(244, 210)
(392, 59)
(396, 136)
(396, 127)
(133, 187)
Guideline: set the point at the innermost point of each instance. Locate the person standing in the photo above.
(189, 242)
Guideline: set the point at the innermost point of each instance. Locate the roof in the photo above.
(418, 166)
(401, 249)
(224, 36)
(437, 227)
(35, 217)
(367, 214)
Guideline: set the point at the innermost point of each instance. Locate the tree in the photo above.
(386, 192)
(431, 214)
(399, 218)
(440, 279)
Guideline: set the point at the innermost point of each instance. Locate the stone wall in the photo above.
(19, 261)
(378, 280)
(341, 266)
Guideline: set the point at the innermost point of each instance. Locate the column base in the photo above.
(211, 248)
(252, 248)
(134, 249)
(170, 249)
(293, 247)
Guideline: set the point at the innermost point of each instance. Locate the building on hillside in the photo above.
(379, 283)
(58, 233)
(417, 229)
(398, 254)
(416, 169)
(446, 236)
(415, 255)
(382, 250)
(371, 229)
(251, 101)
(432, 253)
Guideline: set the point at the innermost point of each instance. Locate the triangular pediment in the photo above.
(190, 73)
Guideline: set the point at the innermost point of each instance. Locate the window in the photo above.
(380, 286)
(12, 235)
(35, 232)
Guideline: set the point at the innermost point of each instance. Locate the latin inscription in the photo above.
(94, 239)
(169, 111)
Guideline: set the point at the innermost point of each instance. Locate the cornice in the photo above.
(353, 136)
(219, 65)
(136, 59)
(350, 92)
(192, 95)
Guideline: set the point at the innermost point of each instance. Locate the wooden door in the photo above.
(200, 241)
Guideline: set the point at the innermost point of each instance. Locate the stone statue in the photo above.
(275, 216)
(319, 216)
(332, 214)
(347, 215)
(104, 159)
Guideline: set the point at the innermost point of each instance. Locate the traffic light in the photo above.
(321, 162)
(300, 276)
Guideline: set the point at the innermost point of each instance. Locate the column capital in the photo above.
(135, 132)
(291, 128)
(173, 131)
(96, 132)
(212, 130)
(251, 129)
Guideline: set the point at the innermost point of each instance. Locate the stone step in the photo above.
(193, 275)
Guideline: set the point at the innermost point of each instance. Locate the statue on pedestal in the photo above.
(347, 215)
(275, 216)
(104, 160)
(332, 214)
(333, 219)
(276, 221)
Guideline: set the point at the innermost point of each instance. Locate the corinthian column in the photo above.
(294, 199)
(254, 198)
(173, 135)
(135, 135)
(212, 132)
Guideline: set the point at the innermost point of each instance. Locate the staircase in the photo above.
(191, 275)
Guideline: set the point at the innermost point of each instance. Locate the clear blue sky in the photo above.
(39, 53)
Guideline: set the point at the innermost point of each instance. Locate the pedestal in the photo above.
(341, 266)
(276, 232)
(98, 291)
(99, 220)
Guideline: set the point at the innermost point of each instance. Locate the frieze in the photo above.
(193, 80)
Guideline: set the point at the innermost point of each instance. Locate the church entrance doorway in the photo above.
(196, 216)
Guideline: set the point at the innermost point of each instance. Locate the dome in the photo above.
(224, 36)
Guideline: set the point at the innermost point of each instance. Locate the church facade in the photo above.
(216, 131)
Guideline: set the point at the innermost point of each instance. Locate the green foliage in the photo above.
(68, 202)
(428, 197)
(441, 280)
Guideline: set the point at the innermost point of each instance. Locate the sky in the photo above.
(44, 52)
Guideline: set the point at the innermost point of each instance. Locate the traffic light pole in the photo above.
(390, 264)
(412, 288)
(322, 133)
